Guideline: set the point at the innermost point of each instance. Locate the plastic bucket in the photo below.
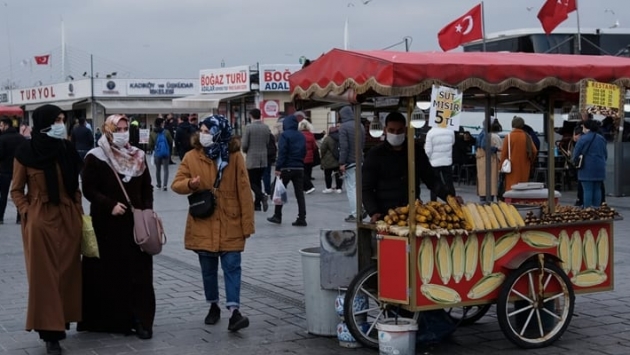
(397, 336)
(321, 317)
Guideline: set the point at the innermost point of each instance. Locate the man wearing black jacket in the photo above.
(10, 139)
(385, 177)
(82, 138)
(182, 137)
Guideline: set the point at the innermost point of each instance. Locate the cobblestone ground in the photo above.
(273, 295)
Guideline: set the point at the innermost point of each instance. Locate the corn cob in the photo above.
(458, 257)
(590, 252)
(487, 254)
(443, 260)
(499, 215)
(505, 244)
(440, 294)
(472, 256)
(425, 260)
(452, 202)
(603, 246)
(484, 217)
(517, 216)
(434, 213)
(576, 253)
(486, 285)
(468, 218)
(564, 251)
(589, 278)
(539, 240)
(505, 208)
(493, 220)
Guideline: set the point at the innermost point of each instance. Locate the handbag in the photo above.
(201, 204)
(89, 245)
(148, 231)
(506, 166)
(579, 160)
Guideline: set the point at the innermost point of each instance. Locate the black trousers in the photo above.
(52, 335)
(255, 181)
(296, 176)
(5, 183)
(308, 173)
(328, 178)
(444, 185)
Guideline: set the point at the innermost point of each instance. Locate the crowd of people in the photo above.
(48, 174)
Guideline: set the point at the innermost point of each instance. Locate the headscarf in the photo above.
(218, 151)
(128, 160)
(44, 153)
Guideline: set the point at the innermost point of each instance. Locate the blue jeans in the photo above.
(592, 193)
(231, 266)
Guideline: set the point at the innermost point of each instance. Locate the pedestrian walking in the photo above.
(272, 155)
(10, 140)
(217, 156)
(82, 138)
(118, 294)
(347, 159)
(48, 167)
(495, 157)
(290, 167)
(330, 161)
(182, 137)
(592, 172)
(312, 151)
(439, 148)
(519, 148)
(161, 143)
(254, 144)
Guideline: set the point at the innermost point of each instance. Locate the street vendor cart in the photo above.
(465, 257)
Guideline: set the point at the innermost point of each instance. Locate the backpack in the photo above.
(336, 149)
(161, 146)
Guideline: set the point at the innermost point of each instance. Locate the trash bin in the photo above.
(321, 317)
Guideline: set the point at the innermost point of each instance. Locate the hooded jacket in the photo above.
(347, 136)
(291, 146)
(439, 146)
(330, 143)
(9, 141)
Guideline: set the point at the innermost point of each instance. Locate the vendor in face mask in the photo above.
(385, 179)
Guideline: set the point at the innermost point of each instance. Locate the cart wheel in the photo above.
(362, 308)
(468, 315)
(534, 309)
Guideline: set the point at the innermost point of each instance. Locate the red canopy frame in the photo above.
(11, 111)
(387, 73)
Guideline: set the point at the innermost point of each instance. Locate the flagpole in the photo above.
(10, 54)
(578, 45)
(483, 28)
(346, 35)
(63, 51)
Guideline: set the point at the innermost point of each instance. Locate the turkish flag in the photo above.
(42, 59)
(465, 29)
(554, 12)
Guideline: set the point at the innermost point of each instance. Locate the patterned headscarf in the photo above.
(221, 131)
(129, 160)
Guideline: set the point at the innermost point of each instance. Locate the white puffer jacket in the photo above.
(439, 146)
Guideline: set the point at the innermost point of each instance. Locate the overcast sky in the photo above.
(171, 39)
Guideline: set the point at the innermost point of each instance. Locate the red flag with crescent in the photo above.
(467, 28)
(554, 12)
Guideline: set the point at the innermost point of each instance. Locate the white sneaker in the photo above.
(327, 191)
(308, 192)
(339, 191)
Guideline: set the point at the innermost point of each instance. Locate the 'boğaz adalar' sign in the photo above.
(275, 77)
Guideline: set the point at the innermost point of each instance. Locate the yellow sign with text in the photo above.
(602, 94)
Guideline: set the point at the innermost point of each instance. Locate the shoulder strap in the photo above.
(509, 147)
(121, 186)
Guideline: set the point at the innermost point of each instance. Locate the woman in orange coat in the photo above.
(519, 148)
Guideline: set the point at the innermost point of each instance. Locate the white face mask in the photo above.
(120, 139)
(58, 131)
(205, 139)
(395, 139)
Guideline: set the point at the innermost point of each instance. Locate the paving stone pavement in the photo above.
(273, 295)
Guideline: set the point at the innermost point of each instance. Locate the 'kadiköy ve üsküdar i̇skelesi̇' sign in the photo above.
(446, 107)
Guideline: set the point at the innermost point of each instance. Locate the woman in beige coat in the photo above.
(48, 167)
(222, 235)
(495, 145)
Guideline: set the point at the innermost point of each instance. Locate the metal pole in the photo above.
(578, 45)
(63, 51)
(483, 28)
(10, 55)
(93, 105)
(488, 150)
(406, 46)
(551, 158)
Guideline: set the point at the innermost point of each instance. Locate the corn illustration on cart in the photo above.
(531, 272)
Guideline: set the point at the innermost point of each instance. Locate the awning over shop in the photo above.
(205, 102)
(148, 106)
(11, 111)
(64, 105)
